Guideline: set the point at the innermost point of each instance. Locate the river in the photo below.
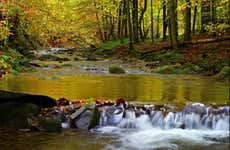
(144, 88)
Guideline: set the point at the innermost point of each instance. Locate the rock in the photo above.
(63, 102)
(49, 124)
(24, 130)
(16, 115)
(77, 113)
(39, 100)
(83, 121)
(116, 70)
(114, 115)
(95, 119)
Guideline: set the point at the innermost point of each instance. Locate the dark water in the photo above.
(76, 140)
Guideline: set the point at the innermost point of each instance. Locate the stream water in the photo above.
(146, 135)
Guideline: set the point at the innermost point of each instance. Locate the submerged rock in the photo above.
(17, 115)
(49, 124)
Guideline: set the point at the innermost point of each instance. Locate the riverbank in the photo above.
(208, 59)
(205, 55)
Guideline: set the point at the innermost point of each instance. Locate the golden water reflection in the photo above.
(144, 88)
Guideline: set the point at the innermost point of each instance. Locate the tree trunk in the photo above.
(98, 22)
(164, 20)
(141, 18)
(135, 21)
(187, 19)
(205, 14)
(158, 23)
(119, 26)
(152, 20)
(172, 23)
(194, 18)
(130, 27)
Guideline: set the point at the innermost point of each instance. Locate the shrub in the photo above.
(190, 69)
(224, 73)
(167, 69)
(116, 70)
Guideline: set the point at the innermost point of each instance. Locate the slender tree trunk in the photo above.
(135, 21)
(152, 20)
(205, 14)
(98, 22)
(187, 19)
(194, 18)
(176, 16)
(119, 28)
(158, 23)
(141, 18)
(164, 20)
(123, 10)
(130, 27)
(172, 23)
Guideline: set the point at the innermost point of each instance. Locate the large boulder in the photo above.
(85, 119)
(39, 100)
(17, 115)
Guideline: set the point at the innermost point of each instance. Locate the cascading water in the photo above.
(194, 116)
(154, 128)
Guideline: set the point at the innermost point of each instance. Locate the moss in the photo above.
(224, 73)
(112, 44)
(49, 124)
(166, 57)
(52, 58)
(190, 69)
(21, 98)
(167, 69)
(67, 65)
(95, 118)
(16, 115)
(116, 70)
(91, 58)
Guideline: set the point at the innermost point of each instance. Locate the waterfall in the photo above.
(192, 116)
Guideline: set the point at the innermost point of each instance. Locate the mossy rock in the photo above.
(116, 70)
(49, 124)
(48, 58)
(224, 73)
(95, 119)
(91, 58)
(52, 58)
(39, 100)
(16, 115)
(167, 69)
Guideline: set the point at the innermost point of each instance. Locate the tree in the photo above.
(152, 20)
(164, 19)
(172, 23)
(130, 27)
(135, 21)
(187, 19)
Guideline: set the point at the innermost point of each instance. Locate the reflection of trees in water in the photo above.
(170, 89)
(187, 91)
(208, 91)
